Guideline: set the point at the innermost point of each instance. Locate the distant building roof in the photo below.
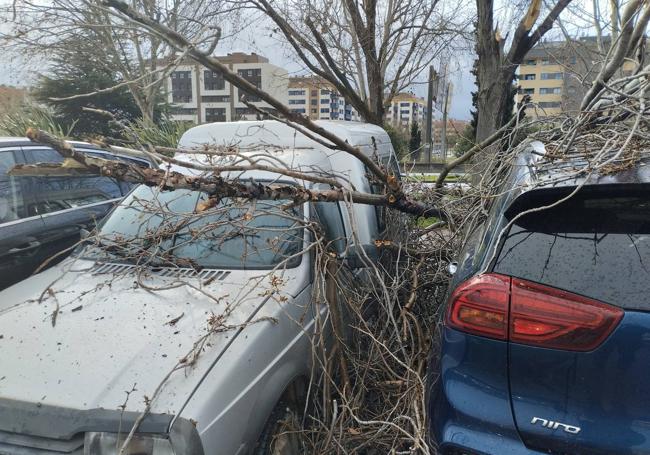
(405, 96)
(308, 81)
(232, 58)
(241, 57)
(566, 47)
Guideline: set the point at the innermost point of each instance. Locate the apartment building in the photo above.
(406, 108)
(318, 99)
(549, 75)
(200, 95)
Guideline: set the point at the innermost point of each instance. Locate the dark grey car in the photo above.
(43, 216)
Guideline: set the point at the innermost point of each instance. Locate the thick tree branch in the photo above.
(215, 186)
(524, 40)
(473, 151)
(620, 52)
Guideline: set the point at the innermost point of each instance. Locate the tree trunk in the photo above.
(495, 67)
(493, 100)
(145, 105)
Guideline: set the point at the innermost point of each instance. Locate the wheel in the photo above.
(281, 432)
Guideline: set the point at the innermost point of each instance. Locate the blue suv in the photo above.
(545, 343)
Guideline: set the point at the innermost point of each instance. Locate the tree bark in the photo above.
(495, 69)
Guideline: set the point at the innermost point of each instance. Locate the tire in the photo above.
(280, 434)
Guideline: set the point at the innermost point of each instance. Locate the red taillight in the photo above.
(497, 306)
(480, 306)
(552, 318)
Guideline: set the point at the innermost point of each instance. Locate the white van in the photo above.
(88, 345)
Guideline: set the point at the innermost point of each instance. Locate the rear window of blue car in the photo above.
(597, 246)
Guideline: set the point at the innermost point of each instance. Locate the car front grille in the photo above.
(207, 275)
(20, 444)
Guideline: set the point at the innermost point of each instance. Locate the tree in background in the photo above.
(61, 30)
(416, 138)
(80, 74)
(466, 141)
(368, 50)
(399, 141)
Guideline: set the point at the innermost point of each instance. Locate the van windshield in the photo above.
(174, 228)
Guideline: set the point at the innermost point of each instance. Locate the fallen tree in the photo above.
(369, 395)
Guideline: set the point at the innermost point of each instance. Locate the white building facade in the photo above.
(318, 100)
(406, 109)
(200, 95)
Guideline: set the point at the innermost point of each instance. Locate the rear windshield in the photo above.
(595, 246)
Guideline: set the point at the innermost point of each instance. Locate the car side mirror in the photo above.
(356, 259)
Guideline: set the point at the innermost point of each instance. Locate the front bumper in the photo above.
(32, 427)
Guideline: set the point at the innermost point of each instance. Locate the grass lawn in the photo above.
(423, 222)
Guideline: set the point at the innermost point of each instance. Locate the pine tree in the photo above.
(416, 137)
(77, 75)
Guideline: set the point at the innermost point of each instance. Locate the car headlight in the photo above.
(140, 444)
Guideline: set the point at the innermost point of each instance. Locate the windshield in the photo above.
(176, 228)
(598, 246)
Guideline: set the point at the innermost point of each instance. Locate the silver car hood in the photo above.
(96, 337)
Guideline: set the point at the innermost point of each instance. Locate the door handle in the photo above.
(25, 247)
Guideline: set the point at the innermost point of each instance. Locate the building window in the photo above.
(181, 86)
(314, 93)
(296, 93)
(324, 101)
(313, 102)
(183, 111)
(297, 102)
(404, 104)
(325, 110)
(213, 80)
(550, 104)
(573, 60)
(314, 111)
(531, 62)
(548, 76)
(298, 111)
(527, 91)
(324, 92)
(241, 112)
(529, 77)
(215, 114)
(216, 99)
(550, 91)
(254, 76)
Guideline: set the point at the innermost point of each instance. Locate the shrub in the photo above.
(165, 133)
(16, 123)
